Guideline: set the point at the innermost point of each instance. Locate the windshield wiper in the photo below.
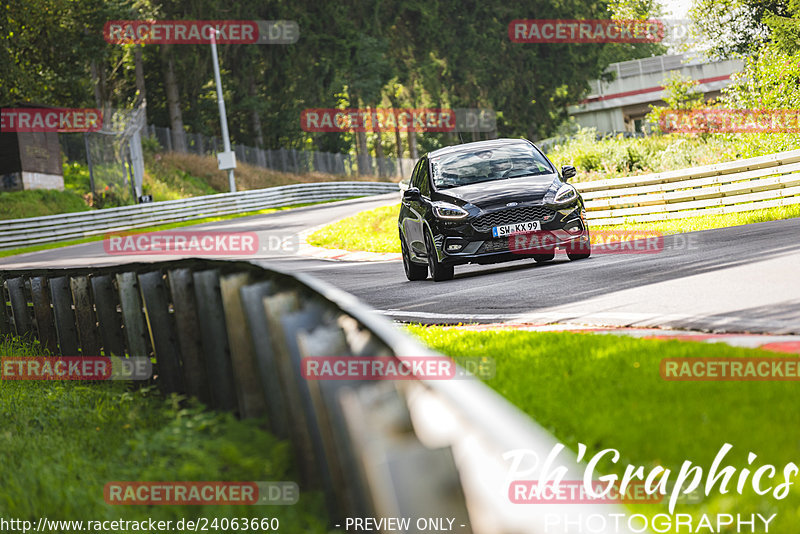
(524, 173)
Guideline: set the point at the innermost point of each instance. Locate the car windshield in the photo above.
(464, 167)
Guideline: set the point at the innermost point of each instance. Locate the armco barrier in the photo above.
(731, 187)
(234, 334)
(55, 228)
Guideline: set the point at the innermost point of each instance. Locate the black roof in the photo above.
(478, 145)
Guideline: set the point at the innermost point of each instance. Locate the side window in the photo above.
(415, 175)
(424, 179)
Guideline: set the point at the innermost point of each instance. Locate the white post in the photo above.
(227, 159)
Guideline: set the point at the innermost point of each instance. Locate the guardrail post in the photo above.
(132, 314)
(348, 497)
(84, 313)
(253, 303)
(162, 332)
(249, 390)
(5, 318)
(214, 335)
(378, 418)
(187, 329)
(19, 306)
(276, 307)
(109, 320)
(45, 323)
(61, 296)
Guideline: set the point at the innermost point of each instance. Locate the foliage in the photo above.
(733, 28)
(37, 202)
(360, 53)
(769, 80)
(682, 94)
(617, 156)
(69, 439)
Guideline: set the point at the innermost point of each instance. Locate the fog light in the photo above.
(454, 247)
(574, 227)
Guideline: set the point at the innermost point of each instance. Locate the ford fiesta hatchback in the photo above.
(488, 202)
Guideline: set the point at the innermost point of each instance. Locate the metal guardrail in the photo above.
(234, 334)
(731, 187)
(54, 228)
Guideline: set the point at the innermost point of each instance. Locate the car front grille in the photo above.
(485, 223)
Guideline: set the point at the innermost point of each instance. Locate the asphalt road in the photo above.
(740, 279)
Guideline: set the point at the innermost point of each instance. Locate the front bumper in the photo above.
(464, 242)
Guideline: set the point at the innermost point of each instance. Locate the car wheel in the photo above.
(541, 258)
(439, 272)
(414, 271)
(579, 251)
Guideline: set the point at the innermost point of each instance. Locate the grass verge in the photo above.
(605, 391)
(376, 230)
(373, 230)
(39, 202)
(64, 441)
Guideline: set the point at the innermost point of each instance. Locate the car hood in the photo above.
(499, 192)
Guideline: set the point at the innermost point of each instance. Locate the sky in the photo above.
(677, 9)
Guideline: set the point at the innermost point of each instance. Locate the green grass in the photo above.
(605, 391)
(39, 202)
(376, 230)
(63, 441)
(373, 230)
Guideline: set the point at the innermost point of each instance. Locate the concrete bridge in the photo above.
(621, 105)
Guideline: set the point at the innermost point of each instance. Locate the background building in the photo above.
(621, 105)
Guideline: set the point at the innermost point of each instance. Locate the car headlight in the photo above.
(445, 210)
(565, 195)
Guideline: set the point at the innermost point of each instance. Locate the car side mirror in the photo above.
(412, 194)
(567, 172)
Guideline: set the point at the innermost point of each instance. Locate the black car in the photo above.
(488, 202)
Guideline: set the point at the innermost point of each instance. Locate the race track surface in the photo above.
(739, 279)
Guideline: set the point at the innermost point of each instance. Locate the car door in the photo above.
(412, 223)
(425, 193)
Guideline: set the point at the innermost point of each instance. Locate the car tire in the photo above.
(439, 271)
(541, 258)
(581, 251)
(414, 271)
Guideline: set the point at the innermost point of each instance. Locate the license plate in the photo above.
(518, 228)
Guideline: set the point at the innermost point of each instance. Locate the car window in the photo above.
(415, 175)
(463, 167)
(424, 179)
